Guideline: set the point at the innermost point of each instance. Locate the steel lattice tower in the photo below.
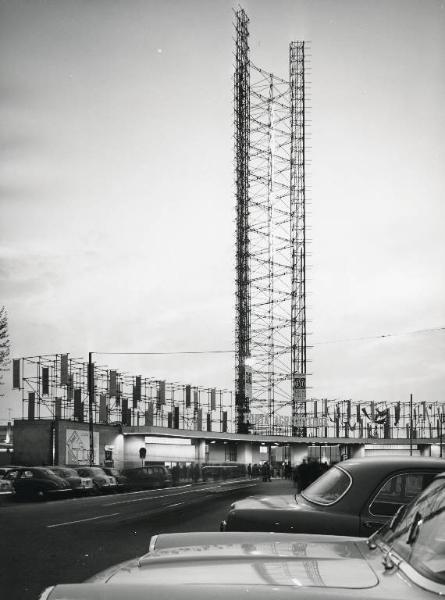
(298, 235)
(242, 141)
(270, 281)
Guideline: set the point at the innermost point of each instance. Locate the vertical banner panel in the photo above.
(103, 417)
(149, 414)
(162, 392)
(45, 381)
(124, 411)
(63, 369)
(78, 407)
(16, 373)
(70, 388)
(31, 405)
(176, 417)
(213, 399)
(112, 387)
(58, 409)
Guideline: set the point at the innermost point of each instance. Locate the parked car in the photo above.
(6, 485)
(37, 483)
(148, 477)
(355, 497)
(79, 485)
(121, 480)
(5, 469)
(403, 561)
(102, 482)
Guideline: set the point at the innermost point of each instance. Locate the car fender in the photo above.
(297, 519)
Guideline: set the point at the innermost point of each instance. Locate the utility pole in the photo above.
(411, 425)
(441, 419)
(90, 404)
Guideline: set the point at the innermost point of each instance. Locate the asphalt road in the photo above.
(69, 540)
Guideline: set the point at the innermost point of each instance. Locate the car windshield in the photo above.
(328, 488)
(45, 472)
(65, 472)
(419, 535)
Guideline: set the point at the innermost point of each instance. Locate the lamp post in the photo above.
(441, 419)
(411, 425)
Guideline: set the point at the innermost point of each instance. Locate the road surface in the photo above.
(69, 540)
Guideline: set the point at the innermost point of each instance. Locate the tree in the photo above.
(4, 342)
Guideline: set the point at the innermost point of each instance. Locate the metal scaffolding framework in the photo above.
(57, 387)
(271, 241)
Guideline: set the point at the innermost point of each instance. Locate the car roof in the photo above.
(368, 473)
(390, 463)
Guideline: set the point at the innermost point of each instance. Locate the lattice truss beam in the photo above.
(271, 241)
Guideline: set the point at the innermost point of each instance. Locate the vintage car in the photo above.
(147, 477)
(79, 485)
(403, 561)
(355, 497)
(102, 483)
(37, 483)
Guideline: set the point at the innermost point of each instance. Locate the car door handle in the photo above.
(372, 524)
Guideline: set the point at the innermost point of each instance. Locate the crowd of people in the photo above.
(302, 475)
(307, 472)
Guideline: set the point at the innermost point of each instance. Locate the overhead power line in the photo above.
(383, 335)
(357, 339)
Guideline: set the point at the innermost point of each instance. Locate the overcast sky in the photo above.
(117, 196)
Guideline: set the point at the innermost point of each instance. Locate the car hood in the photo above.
(259, 559)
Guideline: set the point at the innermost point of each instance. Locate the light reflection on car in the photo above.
(404, 560)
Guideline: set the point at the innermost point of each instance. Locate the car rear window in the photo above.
(328, 488)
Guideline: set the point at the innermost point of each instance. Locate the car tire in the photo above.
(41, 495)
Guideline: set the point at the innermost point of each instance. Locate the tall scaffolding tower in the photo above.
(242, 143)
(271, 243)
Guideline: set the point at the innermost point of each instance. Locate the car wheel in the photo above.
(41, 495)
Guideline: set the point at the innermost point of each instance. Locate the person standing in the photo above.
(249, 470)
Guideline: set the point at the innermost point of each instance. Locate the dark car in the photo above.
(403, 561)
(79, 485)
(121, 480)
(101, 481)
(148, 477)
(37, 483)
(354, 497)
